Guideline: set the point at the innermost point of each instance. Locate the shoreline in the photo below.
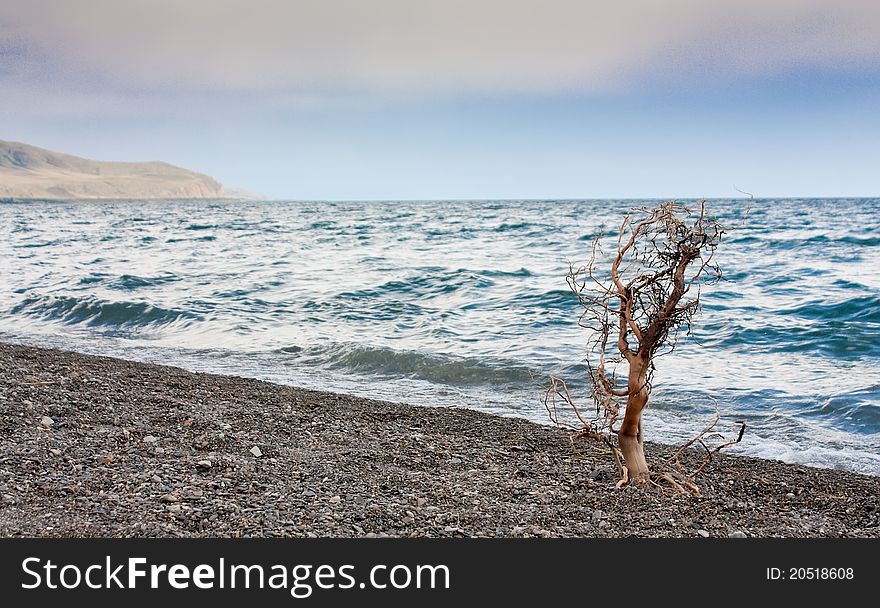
(96, 446)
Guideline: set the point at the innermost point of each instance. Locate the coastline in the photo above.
(95, 446)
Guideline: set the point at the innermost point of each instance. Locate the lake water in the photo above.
(464, 304)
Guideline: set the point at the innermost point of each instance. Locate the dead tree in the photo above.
(634, 314)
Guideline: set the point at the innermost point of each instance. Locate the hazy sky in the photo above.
(372, 99)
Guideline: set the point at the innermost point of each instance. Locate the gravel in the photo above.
(146, 450)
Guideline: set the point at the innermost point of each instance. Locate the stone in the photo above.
(421, 502)
(256, 451)
(597, 515)
(204, 464)
(47, 422)
(150, 439)
(335, 500)
(703, 533)
(737, 534)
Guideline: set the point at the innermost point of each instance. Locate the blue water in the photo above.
(462, 304)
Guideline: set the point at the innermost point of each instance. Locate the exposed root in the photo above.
(624, 478)
(671, 474)
(599, 428)
(672, 469)
(678, 484)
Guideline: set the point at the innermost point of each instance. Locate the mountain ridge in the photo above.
(30, 172)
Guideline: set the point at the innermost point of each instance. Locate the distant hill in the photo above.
(31, 172)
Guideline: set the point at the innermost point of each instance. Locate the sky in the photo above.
(454, 99)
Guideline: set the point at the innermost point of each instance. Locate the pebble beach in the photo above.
(102, 447)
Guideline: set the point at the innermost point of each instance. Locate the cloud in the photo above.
(429, 46)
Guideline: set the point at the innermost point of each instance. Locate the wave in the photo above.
(351, 308)
(864, 309)
(427, 284)
(849, 239)
(434, 368)
(209, 237)
(870, 241)
(521, 273)
(131, 281)
(856, 411)
(835, 339)
(94, 312)
(554, 299)
(127, 282)
(509, 227)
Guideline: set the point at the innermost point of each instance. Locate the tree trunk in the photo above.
(630, 434)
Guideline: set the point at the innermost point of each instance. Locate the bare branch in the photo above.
(661, 255)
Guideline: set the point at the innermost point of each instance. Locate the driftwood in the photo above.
(635, 313)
